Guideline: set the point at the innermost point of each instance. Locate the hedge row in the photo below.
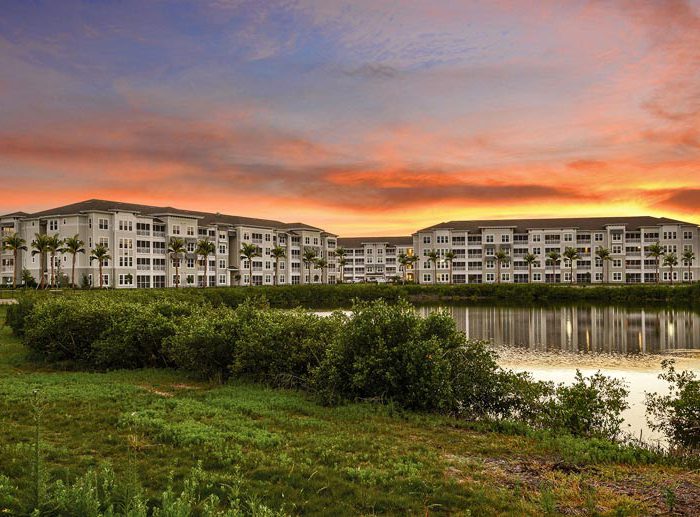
(382, 351)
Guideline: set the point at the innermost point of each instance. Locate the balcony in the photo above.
(143, 267)
(145, 251)
(144, 233)
(159, 251)
(158, 267)
(158, 234)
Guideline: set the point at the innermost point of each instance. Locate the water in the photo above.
(552, 342)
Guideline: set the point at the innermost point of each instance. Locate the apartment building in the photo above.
(375, 259)
(475, 244)
(137, 237)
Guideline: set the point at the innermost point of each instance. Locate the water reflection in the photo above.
(609, 330)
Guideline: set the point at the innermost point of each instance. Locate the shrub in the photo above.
(282, 347)
(389, 352)
(17, 314)
(204, 342)
(677, 414)
(589, 407)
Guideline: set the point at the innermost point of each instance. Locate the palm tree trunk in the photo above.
(434, 273)
(571, 272)
(670, 275)
(53, 261)
(657, 270)
(498, 271)
(14, 270)
(529, 273)
(101, 277)
(177, 275)
(277, 271)
(72, 271)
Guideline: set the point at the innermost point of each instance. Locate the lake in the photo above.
(552, 342)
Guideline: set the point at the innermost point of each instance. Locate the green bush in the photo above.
(204, 342)
(281, 348)
(677, 414)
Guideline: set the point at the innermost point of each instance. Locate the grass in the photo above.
(293, 454)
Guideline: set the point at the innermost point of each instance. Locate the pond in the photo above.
(552, 342)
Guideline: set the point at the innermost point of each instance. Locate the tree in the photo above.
(434, 257)
(249, 252)
(341, 253)
(73, 245)
(101, 254)
(15, 244)
(553, 257)
(571, 254)
(321, 264)
(501, 258)
(176, 249)
(54, 246)
(204, 248)
(413, 260)
(604, 255)
(309, 257)
(449, 257)
(40, 246)
(688, 258)
(278, 253)
(529, 259)
(404, 261)
(656, 251)
(671, 260)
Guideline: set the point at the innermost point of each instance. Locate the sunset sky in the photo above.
(362, 117)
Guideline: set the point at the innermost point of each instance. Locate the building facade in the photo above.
(376, 259)
(138, 235)
(476, 243)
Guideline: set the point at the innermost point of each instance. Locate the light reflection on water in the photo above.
(595, 330)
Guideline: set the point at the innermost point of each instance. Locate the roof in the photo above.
(579, 223)
(357, 242)
(15, 214)
(205, 218)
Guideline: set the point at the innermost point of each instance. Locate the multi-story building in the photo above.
(375, 259)
(137, 237)
(475, 244)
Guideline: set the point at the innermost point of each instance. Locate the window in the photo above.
(125, 226)
(426, 239)
(617, 276)
(53, 225)
(126, 261)
(617, 262)
(159, 281)
(190, 231)
(126, 244)
(489, 238)
(505, 238)
(103, 224)
(490, 277)
(536, 238)
(125, 279)
(687, 236)
(143, 281)
(222, 249)
(568, 237)
(307, 240)
(617, 248)
(505, 277)
(427, 277)
(441, 239)
(105, 280)
(669, 235)
(222, 264)
(176, 229)
(190, 263)
(190, 247)
(537, 277)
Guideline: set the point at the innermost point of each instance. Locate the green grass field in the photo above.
(306, 459)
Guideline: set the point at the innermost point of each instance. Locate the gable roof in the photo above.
(579, 223)
(357, 242)
(205, 218)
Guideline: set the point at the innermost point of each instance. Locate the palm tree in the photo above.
(656, 251)
(688, 257)
(101, 254)
(277, 253)
(449, 257)
(249, 252)
(73, 245)
(553, 257)
(341, 253)
(55, 246)
(412, 261)
(309, 257)
(529, 259)
(434, 256)
(321, 264)
(176, 249)
(501, 258)
(571, 254)
(40, 246)
(204, 248)
(671, 260)
(15, 244)
(604, 255)
(404, 260)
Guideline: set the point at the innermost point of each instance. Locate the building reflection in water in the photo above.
(612, 330)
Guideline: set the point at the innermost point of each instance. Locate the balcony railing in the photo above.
(158, 234)
(144, 233)
(143, 250)
(158, 267)
(143, 267)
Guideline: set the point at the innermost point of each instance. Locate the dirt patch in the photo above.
(156, 391)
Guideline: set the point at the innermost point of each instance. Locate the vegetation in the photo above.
(100, 253)
(204, 249)
(176, 250)
(247, 449)
(73, 246)
(14, 243)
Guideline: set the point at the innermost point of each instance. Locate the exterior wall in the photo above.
(376, 261)
(474, 260)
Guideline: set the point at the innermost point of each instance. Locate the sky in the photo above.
(363, 117)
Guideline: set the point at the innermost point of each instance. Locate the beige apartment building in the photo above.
(137, 237)
(475, 244)
(375, 259)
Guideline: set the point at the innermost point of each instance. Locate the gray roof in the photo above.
(15, 214)
(357, 242)
(205, 218)
(579, 223)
